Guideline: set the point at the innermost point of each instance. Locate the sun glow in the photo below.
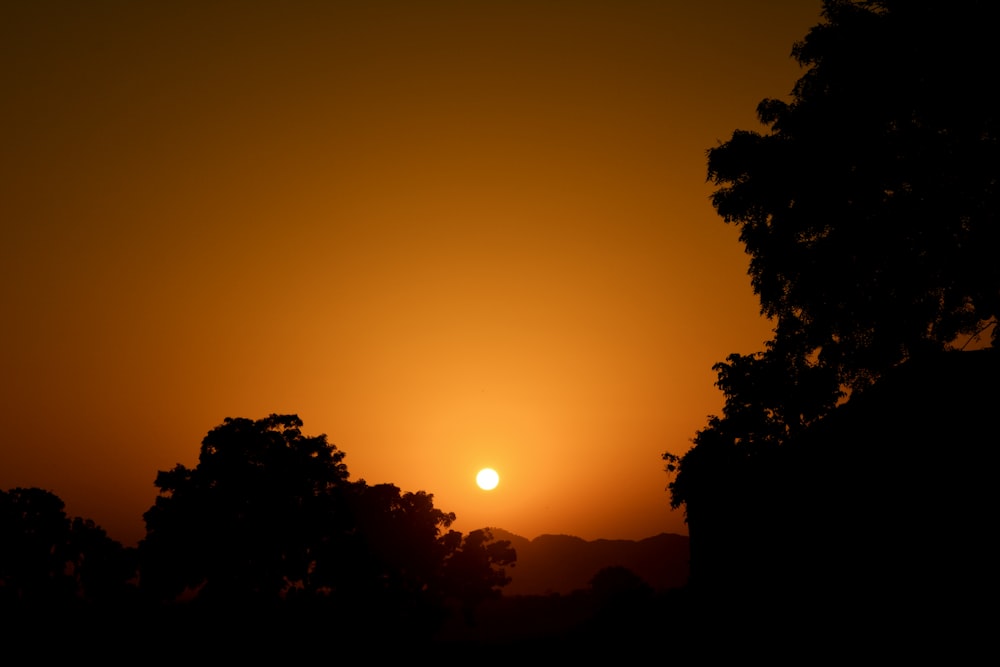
(487, 479)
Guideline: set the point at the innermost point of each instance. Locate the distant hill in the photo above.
(563, 563)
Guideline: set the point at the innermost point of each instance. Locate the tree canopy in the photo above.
(868, 208)
(48, 560)
(249, 518)
(270, 515)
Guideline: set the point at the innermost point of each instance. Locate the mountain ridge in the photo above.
(562, 563)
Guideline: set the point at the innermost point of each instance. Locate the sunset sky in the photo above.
(448, 235)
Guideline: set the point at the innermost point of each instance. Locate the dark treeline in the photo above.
(843, 495)
(267, 549)
(266, 532)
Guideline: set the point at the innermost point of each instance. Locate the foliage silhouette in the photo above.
(388, 564)
(249, 519)
(269, 517)
(869, 211)
(49, 561)
(869, 208)
(474, 571)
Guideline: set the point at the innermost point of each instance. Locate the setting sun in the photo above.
(487, 479)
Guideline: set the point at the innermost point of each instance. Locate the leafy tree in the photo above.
(770, 398)
(395, 551)
(475, 568)
(48, 560)
(268, 514)
(250, 518)
(103, 569)
(36, 546)
(869, 211)
(869, 208)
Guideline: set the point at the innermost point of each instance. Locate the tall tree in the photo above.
(250, 517)
(869, 208)
(48, 560)
(269, 514)
(475, 568)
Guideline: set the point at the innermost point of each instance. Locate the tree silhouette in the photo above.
(49, 561)
(36, 547)
(869, 208)
(249, 520)
(475, 568)
(869, 211)
(389, 565)
(268, 517)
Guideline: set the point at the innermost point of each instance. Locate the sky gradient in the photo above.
(448, 235)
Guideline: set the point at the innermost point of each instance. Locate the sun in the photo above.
(487, 479)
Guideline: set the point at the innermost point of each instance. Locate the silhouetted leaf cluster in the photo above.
(267, 521)
(251, 519)
(270, 515)
(48, 560)
(869, 209)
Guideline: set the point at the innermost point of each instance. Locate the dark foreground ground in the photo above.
(673, 627)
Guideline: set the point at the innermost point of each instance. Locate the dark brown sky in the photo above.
(446, 234)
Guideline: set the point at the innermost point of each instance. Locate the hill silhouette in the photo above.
(564, 563)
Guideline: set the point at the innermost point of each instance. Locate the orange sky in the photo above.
(446, 234)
